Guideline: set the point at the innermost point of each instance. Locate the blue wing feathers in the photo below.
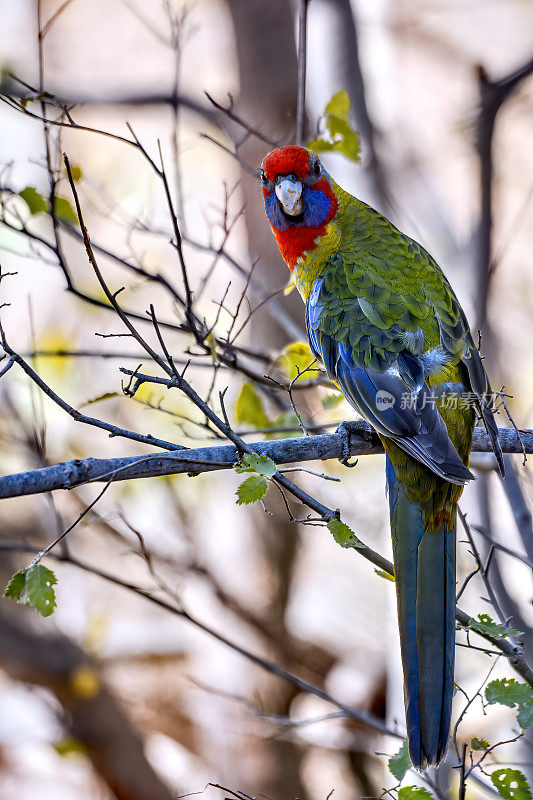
(424, 568)
(380, 397)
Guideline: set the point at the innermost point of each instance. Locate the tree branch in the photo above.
(302, 68)
(208, 459)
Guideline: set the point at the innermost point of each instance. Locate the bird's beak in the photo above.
(289, 194)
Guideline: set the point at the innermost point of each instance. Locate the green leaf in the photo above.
(343, 534)
(344, 139)
(64, 211)
(252, 489)
(400, 763)
(414, 793)
(249, 408)
(295, 359)
(252, 462)
(36, 203)
(508, 692)
(511, 784)
(338, 134)
(320, 146)
(525, 715)
(485, 624)
(39, 591)
(33, 585)
(479, 744)
(383, 574)
(16, 585)
(339, 105)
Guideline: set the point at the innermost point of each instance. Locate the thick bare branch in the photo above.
(208, 459)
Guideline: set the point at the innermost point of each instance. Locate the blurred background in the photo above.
(113, 696)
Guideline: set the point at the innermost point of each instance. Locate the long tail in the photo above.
(424, 565)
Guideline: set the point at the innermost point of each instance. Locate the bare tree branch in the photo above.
(208, 459)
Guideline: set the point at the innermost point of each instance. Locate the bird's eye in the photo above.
(264, 179)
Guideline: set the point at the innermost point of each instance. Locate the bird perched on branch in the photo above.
(386, 324)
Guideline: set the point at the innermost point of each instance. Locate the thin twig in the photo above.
(302, 70)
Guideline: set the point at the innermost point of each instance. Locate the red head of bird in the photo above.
(299, 200)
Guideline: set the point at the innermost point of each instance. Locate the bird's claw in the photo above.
(344, 430)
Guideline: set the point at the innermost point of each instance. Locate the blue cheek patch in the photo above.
(316, 207)
(274, 212)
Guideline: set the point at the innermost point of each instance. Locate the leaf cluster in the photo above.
(255, 487)
(338, 135)
(38, 204)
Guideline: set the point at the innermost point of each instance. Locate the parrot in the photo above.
(385, 323)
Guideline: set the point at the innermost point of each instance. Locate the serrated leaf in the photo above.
(251, 490)
(383, 574)
(252, 462)
(508, 692)
(295, 359)
(16, 585)
(36, 203)
(525, 715)
(64, 210)
(33, 585)
(343, 534)
(249, 408)
(414, 793)
(400, 763)
(479, 744)
(39, 589)
(485, 624)
(93, 400)
(511, 784)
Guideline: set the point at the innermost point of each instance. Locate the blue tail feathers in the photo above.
(424, 565)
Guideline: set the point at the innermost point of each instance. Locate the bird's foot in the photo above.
(344, 430)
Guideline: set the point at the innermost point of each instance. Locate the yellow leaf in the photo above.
(289, 287)
(56, 341)
(68, 747)
(76, 173)
(85, 682)
(296, 358)
(211, 343)
(249, 408)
